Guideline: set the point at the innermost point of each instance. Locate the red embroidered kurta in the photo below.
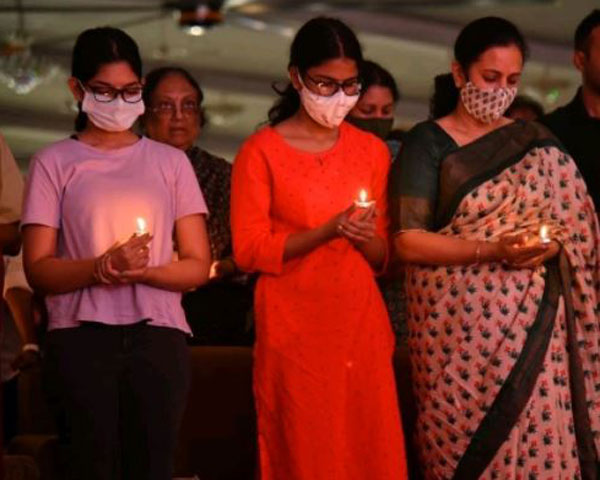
(323, 379)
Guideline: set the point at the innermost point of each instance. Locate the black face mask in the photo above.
(381, 127)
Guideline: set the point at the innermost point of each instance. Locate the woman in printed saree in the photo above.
(503, 324)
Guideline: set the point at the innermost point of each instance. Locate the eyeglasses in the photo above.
(330, 87)
(105, 94)
(167, 109)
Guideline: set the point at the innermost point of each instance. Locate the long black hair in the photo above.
(477, 37)
(317, 41)
(372, 74)
(96, 47)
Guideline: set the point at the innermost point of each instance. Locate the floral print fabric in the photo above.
(468, 325)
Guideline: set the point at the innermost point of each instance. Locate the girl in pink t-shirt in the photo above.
(103, 211)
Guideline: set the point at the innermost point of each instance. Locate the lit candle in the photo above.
(362, 201)
(141, 226)
(544, 237)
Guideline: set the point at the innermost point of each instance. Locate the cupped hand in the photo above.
(359, 225)
(124, 263)
(131, 255)
(518, 252)
(222, 269)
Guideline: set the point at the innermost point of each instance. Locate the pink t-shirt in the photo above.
(93, 197)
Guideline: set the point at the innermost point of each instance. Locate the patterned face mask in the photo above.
(487, 105)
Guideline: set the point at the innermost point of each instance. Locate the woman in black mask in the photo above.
(374, 111)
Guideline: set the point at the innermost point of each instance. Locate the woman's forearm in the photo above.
(301, 243)
(53, 276)
(20, 302)
(374, 252)
(435, 249)
(178, 276)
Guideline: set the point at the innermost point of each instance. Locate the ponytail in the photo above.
(287, 105)
(445, 96)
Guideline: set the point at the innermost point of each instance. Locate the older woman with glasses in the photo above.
(217, 312)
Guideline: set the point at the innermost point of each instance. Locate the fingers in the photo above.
(108, 272)
(131, 256)
(363, 214)
(355, 237)
(357, 231)
(133, 276)
(520, 254)
(533, 262)
(137, 241)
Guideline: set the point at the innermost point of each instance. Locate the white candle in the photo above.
(544, 236)
(141, 226)
(362, 201)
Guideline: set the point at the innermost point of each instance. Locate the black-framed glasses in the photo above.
(188, 108)
(106, 93)
(329, 87)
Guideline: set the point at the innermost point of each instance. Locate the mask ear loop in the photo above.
(83, 89)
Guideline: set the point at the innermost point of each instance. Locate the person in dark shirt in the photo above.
(525, 108)
(577, 125)
(219, 313)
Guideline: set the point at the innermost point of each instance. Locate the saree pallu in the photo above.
(506, 362)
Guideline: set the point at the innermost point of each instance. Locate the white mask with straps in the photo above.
(327, 111)
(114, 116)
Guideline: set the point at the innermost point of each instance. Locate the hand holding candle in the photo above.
(362, 208)
(358, 222)
(362, 201)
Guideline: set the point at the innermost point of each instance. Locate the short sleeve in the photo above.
(42, 196)
(11, 186)
(414, 183)
(256, 246)
(188, 196)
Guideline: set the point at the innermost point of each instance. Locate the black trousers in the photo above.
(119, 393)
(218, 314)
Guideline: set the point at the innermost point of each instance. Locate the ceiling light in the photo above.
(20, 69)
(195, 30)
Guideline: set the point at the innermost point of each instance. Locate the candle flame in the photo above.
(362, 195)
(544, 233)
(141, 226)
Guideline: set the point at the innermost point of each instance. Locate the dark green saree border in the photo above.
(586, 449)
(469, 185)
(516, 391)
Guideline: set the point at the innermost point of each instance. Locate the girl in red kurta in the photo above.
(323, 379)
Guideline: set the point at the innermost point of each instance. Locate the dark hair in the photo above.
(96, 47)
(372, 74)
(476, 38)
(157, 75)
(521, 101)
(584, 30)
(317, 41)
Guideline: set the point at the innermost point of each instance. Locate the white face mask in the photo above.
(114, 116)
(327, 111)
(487, 106)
